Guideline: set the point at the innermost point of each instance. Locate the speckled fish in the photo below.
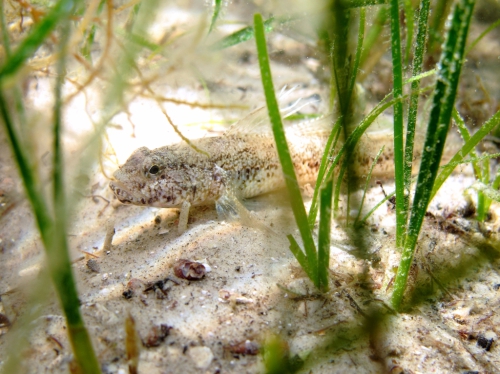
(239, 163)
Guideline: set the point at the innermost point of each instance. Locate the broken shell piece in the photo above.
(190, 270)
(484, 342)
(134, 286)
(247, 347)
(156, 335)
(243, 300)
(226, 296)
(4, 321)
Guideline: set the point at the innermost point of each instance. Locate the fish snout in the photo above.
(121, 192)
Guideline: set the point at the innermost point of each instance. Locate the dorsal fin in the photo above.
(257, 122)
(316, 126)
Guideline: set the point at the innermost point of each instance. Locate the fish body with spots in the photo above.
(245, 165)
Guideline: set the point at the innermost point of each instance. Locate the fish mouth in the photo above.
(122, 194)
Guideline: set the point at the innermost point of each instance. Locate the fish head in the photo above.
(151, 179)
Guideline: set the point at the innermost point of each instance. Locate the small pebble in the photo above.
(93, 265)
(201, 356)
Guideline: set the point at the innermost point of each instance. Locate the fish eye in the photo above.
(154, 169)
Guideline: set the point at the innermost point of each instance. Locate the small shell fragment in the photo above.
(190, 270)
(247, 347)
(4, 320)
(484, 342)
(156, 335)
(134, 286)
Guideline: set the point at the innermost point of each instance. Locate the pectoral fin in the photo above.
(230, 208)
(183, 217)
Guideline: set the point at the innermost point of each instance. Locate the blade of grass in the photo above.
(492, 191)
(90, 31)
(428, 73)
(477, 169)
(489, 191)
(443, 101)
(344, 78)
(374, 35)
(368, 178)
(469, 145)
(244, 34)
(464, 132)
(302, 117)
(483, 201)
(338, 29)
(494, 185)
(325, 224)
(483, 34)
(496, 182)
(354, 138)
(409, 21)
(283, 151)
(361, 3)
(276, 357)
(399, 165)
(139, 40)
(43, 220)
(413, 107)
(329, 148)
(378, 206)
(36, 37)
(338, 185)
(439, 12)
(20, 110)
(359, 50)
(476, 159)
(5, 34)
(52, 232)
(87, 45)
(300, 256)
(215, 15)
(58, 255)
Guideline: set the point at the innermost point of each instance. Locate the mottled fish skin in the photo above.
(247, 164)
